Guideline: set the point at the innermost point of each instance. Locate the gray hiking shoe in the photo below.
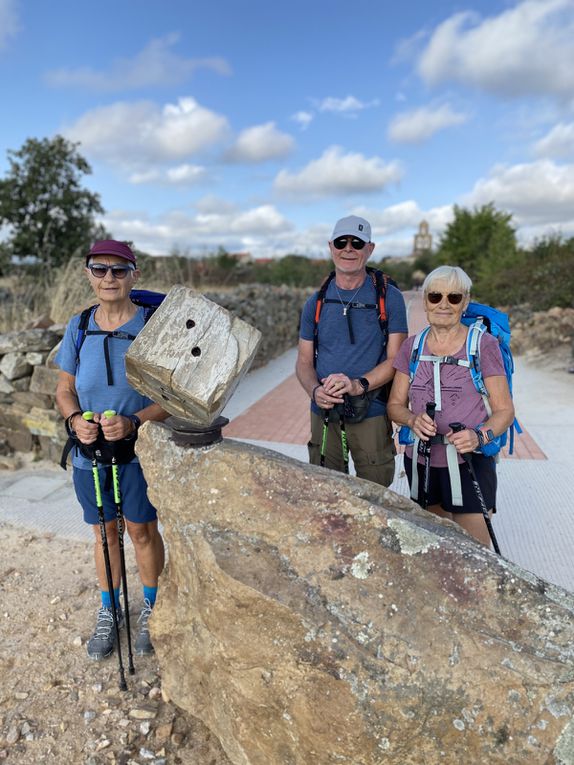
(143, 644)
(103, 641)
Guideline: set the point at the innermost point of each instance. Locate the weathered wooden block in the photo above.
(191, 355)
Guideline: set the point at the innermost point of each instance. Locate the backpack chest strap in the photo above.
(436, 362)
(120, 335)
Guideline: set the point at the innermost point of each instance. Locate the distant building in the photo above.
(422, 240)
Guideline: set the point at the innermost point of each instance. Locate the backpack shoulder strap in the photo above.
(318, 306)
(473, 340)
(82, 328)
(380, 281)
(416, 351)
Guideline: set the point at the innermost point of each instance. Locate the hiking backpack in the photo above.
(480, 319)
(150, 302)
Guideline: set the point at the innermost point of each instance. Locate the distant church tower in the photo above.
(423, 239)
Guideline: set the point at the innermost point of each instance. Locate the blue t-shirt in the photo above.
(94, 393)
(336, 352)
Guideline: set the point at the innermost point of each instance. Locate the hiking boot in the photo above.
(143, 644)
(102, 642)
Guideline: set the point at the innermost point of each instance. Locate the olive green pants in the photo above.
(370, 443)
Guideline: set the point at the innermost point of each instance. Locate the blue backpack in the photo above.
(480, 318)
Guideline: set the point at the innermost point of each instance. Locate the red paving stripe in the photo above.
(282, 415)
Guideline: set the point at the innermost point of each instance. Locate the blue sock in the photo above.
(106, 600)
(150, 593)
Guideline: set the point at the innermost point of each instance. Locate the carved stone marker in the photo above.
(191, 355)
(311, 618)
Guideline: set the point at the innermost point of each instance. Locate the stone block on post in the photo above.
(191, 355)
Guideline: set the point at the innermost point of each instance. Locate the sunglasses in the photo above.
(99, 270)
(341, 242)
(454, 298)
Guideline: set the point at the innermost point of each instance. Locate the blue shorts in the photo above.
(439, 485)
(136, 506)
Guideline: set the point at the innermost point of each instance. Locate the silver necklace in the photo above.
(347, 305)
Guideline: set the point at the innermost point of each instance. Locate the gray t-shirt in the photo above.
(461, 402)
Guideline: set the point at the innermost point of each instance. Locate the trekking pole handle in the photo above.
(88, 416)
(456, 427)
(110, 413)
(424, 446)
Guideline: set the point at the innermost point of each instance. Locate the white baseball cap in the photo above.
(352, 225)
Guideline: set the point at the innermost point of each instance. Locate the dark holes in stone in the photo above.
(196, 351)
(190, 323)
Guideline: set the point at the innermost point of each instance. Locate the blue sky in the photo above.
(254, 125)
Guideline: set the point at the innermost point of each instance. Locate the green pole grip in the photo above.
(89, 416)
(110, 413)
(97, 486)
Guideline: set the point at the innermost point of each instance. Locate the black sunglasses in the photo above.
(99, 270)
(341, 242)
(454, 298)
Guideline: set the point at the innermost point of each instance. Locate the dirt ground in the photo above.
(57, 706)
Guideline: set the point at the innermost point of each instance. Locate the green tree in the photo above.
(481, 241)
(48, 213)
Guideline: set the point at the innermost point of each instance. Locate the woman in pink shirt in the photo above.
(443, 378)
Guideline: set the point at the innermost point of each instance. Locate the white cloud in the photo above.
(259, 230)
(336, 173)
(347, 105)
(154, 65)
(260, 143)
(303, 119)
(133, 135)
(535, 193)
(525, 49)
(180, 175)
(418, 125)
(8, 21)
(559, 142)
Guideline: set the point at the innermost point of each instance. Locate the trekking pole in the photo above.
(344, 444)
(456, 427)
(89, 416)
(121, 529)
(424, 449)
(324, 438)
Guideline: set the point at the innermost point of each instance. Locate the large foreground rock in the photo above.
(191, 355)
(309, 618)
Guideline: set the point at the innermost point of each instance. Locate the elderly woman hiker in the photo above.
(443, 378)
(93, 379)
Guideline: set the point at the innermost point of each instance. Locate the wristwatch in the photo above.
(364, 383)
(483, 438)
(136, 421)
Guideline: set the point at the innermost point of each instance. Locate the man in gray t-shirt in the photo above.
(351, 356)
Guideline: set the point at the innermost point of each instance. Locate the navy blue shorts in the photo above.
(133, 488)
(440, 491)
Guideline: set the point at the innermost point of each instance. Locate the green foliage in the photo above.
(540, 276)
(401, 272)
(49, 215)
(480, 241)
(293, 271)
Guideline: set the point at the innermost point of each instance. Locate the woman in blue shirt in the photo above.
(94, 379)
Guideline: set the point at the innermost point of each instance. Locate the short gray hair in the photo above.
(454, 276)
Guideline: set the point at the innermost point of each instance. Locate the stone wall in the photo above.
(29, 421)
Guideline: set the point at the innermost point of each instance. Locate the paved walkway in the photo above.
(534, 523)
